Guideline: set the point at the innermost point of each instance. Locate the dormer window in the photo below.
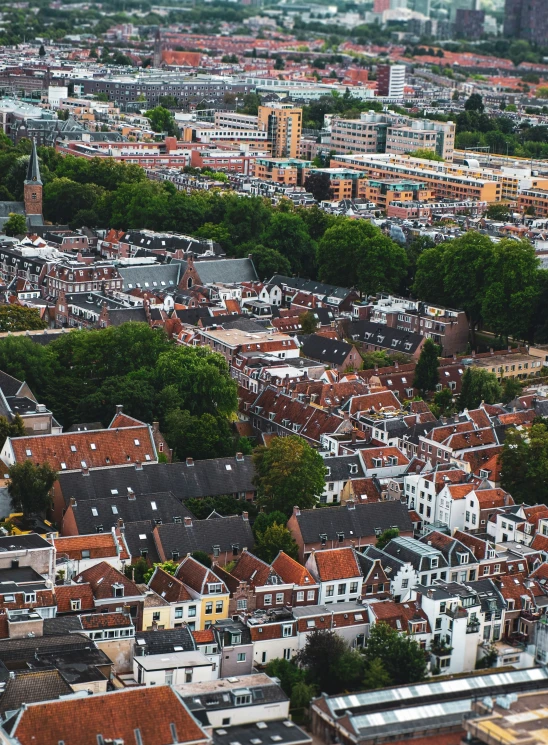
(214, 588)
(118, 590)
(323, 539)
(463, 558)
(434, 563)
(377, 462)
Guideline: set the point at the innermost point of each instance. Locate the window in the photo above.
(219, 606)
(279, 598)
(85, 553)
(76, 604)
(341, 589)
(241, 604)
(178, 612)
(192, 611)
(300, 597)
(169, 677)
(287, 654)
(287, 629)
(208, 609)
(404, 584)
(329, 591)
(353, 587)
(267, 600)
(215, 589)
(310, 595)
(241, 657)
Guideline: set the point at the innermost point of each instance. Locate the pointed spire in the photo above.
(33, 172)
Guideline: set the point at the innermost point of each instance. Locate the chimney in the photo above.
(156, 427)
(491, 350)
(430, 593)
(72, 502)
(350, 504)
(473, 353)
(245, 515)
(188, 522)
(396, 364)
(119, 408)
(296, 511)
(239, 457)
(190, 462)
(354, 432)
(85, 471)
(120, 522)
(130, 495)
(138, 465)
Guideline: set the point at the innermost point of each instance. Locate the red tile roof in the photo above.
(337, 563)
(114, 716)
(197, 576)
(106, 621)
(252, 570)
(291, 571)
(493, 498)
(100, 545)
(383, 453)
(95, 449)
(122, 421)
(204, 637)
(375, 402)
(102, 577)
(168, 587)
(540, 543)
(65, 593)
(459, 491)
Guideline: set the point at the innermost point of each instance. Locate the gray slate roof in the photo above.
(385, 336)
(225, 270)
(33, 686)
(331, 351)
(202, 535)
(164, 641)
(310, 285)
(360, 522)
(206, 478)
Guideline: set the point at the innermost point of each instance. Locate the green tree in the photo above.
(224, 504)
(269, 262)
(474, 103)
(524, 464)
(275, 538)
(205, 436)
(287, 673)
(386, 536)
(512, 287)
(375, 675)
(202, 557)
(319, 185)
(309, 322)
(286, 233)
(402, 657)
(162, 120)
(478, 385)
(15, 225)
(288, 472)
(136, 571)
(427, 374)
(302, 694)
(511, 389)
(42, 51)
(357, 254)
(329, 663)
(265, 519)
(20, 318)
(251, 103)
(442, 404)
(168, 102)
(168, 566)
(15, 428)
(498, 211)
(425, 155)
(30, 485)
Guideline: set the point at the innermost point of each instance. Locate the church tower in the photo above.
(157, 58)
(33, 185)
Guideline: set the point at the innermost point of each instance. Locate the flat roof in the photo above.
(172, 659)
(224, 684)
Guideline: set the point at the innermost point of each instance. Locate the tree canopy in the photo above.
(478, 385)
(426, 372)
(29, 486)
(524, 464)
(287, 473)
(20, 318)
(402, 658)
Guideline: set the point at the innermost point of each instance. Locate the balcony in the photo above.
(473, 627)
(440, 649)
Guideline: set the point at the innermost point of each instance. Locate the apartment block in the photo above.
(384, 192)
(534, 201)
(445, 181)
(291, 171)
(390, 80)
(380, 133)
(282, 123)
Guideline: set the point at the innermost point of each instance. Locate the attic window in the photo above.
(114, 509)
(153, 505)
(73, 448)
(83, 464)
(93, 446)
(63, 466)
(228, 467)
(29, 453)
(142, 536)
(94, 511)
(136, 442)
(114, 492)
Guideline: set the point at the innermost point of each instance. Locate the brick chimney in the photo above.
(131, 495)
(296, 511)
(188, 522)
(190, 462)
(155, 427)
(119, 408)
(245, 515)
